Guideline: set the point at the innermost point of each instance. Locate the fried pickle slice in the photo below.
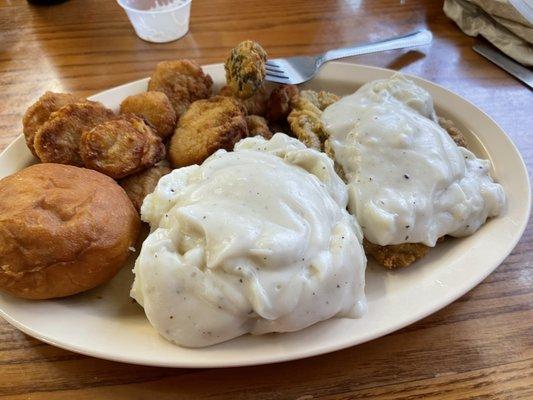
(58, 140)
(140, 185)
(245, 68)
(183, 81)
(208, 125)
(155, 108)
(121, 147)
(258, 126)
(39, 112)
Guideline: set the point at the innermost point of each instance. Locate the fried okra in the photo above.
(208, 125)
(245, 68)
(183, 81)
(155, 108)
(254, 105)
(279, 103)
(139, 185)
(258, 126)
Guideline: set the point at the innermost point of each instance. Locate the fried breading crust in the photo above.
(138, 186)
(245, 68)
(208, 125)
(58, 140)
(452, 130)
(121, 147)
(39, 112)
(183, 81)
(155, 108)
(396, 255)
(304, 119)
(279, 102)
(258, 126)
(321, 100)
(257, 104)
(307, 127)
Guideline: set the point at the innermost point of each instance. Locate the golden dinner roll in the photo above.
(63, 230)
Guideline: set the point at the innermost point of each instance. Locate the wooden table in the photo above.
(481, 346)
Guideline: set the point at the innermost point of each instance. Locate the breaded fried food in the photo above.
(139, 185)
(396, 255)
(257, 104)
(58, 140)
(39, 112)
(155, 108)
(121, 147)
(403, 255)
(320, 100)
(307, 127)
(279, 102)
(455, 134)
(183, 81)
(258, 126)
(304, 119)
(208, 125)
(245, 68)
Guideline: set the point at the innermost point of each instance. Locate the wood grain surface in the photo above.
(479, 347)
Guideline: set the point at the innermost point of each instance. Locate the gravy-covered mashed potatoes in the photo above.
(257, 240)
(408, 181)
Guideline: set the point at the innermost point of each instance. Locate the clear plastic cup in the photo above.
(158, 21)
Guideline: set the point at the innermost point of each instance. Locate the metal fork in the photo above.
(295, 70)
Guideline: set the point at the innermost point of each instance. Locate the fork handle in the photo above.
(417, 38)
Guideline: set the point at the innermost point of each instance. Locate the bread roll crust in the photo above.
(63, 230)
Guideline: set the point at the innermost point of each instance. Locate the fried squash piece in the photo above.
(208, 125)
(140, 185)
(245, 68)
(155, 108)
(183, 81)
(39, 112)
(121, 147)
(58, 140)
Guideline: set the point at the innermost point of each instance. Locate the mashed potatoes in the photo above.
(256, 240)
(408, 181)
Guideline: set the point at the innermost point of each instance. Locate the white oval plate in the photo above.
(105, 323)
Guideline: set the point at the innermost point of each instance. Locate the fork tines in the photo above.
(274, 71)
